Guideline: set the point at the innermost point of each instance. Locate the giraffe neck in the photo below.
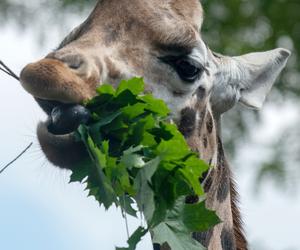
(201, 132)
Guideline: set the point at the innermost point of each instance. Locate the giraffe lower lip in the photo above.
(63, 151)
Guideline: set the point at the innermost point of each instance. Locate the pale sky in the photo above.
(40, 210)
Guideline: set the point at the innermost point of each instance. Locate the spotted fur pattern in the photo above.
(199, 128)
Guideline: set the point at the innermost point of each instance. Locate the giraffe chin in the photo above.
(61, 150)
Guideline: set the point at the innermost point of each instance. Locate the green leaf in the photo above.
(133, 111)
(117, 124)
(107, 195)
(134, 239)
(148, 139)
(131, 159)
(106, 89)
(99, 156)
(145, 194)
(180, 222)
(127, 203)
(192, 176)
(155, 105)
(134, 85)
(121, 176)
(150, 168)
(133, 150)
(176, 239)
(198, 218)
(104, 121)
(159, 213)
(173, 232)
(99, 102)
(104, 193)
(172, 150)
(124, 99)
(81, 170)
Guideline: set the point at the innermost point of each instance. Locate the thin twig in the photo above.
(8, 71)
(142, 219)
(14, 160)
(125, 217)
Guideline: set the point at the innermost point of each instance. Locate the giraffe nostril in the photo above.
(73, 61)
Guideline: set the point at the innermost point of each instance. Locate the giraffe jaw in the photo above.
(62, 150)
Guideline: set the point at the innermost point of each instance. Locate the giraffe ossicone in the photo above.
(160, 41)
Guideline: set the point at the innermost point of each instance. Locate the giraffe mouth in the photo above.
(58, 91)
(63, 118)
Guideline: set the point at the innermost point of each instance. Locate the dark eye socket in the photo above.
(187, 69)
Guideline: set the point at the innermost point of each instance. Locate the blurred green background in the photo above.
(235, 27)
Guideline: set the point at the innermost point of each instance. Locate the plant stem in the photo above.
(8, 71)
(14, 160)
(125, 217)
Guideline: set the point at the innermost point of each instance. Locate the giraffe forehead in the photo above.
(162, 21)
(188, 10)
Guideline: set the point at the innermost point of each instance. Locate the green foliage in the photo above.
(180, 222)
(134, 239)
(137, 157)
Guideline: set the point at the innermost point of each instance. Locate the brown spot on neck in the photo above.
(187, 121)
(204, 237)
(227, 239)
(209, 124)
(205, 142)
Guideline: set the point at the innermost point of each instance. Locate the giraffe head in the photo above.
(158, 40)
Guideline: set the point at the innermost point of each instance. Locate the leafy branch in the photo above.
(138, 157)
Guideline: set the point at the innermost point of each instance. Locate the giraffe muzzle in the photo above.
(59, 92)
(51, 79)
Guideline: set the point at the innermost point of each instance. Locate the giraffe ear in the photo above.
(246, 79)
(256, 73)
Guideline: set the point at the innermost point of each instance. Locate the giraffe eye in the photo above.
(187, 69)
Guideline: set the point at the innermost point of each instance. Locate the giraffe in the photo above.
(159, 40)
